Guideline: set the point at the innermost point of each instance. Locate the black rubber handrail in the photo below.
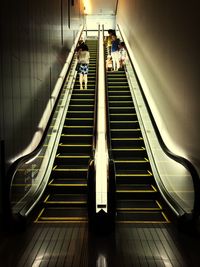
(14, 167)
(185, 162)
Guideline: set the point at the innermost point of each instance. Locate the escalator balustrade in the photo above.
(137, 197)
(65, 198)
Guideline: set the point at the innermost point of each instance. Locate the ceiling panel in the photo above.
(99, 7)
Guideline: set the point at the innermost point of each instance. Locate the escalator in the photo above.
(65, 197)
(137, 197)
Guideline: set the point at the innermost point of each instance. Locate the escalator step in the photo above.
(73, 171)
(78, 148)
(81, 108)
(68, 182)
(67, 199)
(82, 114)
(125, 133)
(79, 121)
(63, 214)
(135, 188)
(126, 143)
(119, 93)
(76, 138)
(77, 129)
(82, 96)
(123, 117)
(138, 204)
(122, 110)
(120, 153)
(81, 101)
(121, 103)
(134, 164)
(141, 217)
(124, 124)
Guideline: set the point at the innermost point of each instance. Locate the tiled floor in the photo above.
(73, 245)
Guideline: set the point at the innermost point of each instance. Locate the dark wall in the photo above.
(36, 37)
(164, 38)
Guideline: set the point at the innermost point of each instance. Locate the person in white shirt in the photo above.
(122, 55)
(109, 63)
(83, 61)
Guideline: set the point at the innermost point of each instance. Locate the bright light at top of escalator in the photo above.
(87, 7)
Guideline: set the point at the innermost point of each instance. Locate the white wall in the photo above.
(163, 36)
(92, 21)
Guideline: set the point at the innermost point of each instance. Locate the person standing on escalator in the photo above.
(83, 56)
(115, 52)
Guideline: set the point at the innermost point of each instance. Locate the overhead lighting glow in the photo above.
(87, 7)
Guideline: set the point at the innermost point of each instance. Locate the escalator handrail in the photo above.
(185, 162)
(96, 97)
(107, 108)
(112, 176)
(91, 179)
(14, 167)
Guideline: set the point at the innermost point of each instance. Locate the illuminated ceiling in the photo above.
(100, 7)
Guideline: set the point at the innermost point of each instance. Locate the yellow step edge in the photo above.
(154, 188)
(78, 127)
(142, 222)
(125, 130)
(39, 215)
(159, 204)
(131, 161)
(63, 218)
(82, 99)
(72, 157)
(164, 215)
(135, 191)
(66, 202)
(117, 81)
(51, 182)
(67, 185)
(81, 105)
(83, 111)
(77, 135)
(82, 119)
(128, 149)
(139, 190)
(137, 209)
(121, 102)
(133, 174)
(75, 145)
(124, 139)
(117, 86)
(87, 93)
(46, 199)
(121, 96)
(74, 170)
(123, 114)
(59, 222)
(141, 212)
(124, 121)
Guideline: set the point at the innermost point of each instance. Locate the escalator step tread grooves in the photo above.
(65, 197)
(136, 191)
